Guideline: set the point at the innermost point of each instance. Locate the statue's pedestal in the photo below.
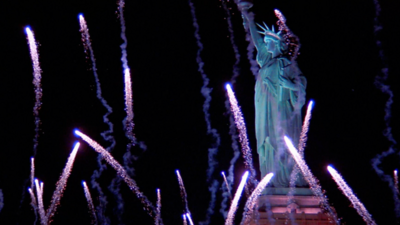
(304, 208)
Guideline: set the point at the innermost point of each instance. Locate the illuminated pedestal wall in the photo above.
(304, 209)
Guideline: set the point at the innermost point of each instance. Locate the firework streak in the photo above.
(61, 184)
(189, 218)
(248, 158)
(302, 144)
(183, 193)
(39, 193)
(238, 194)
(148, 206)
(158, 207)
(312, 181)
(90, 202)
(37, 77)
(251, 202)
(227, 185)
(357, 204)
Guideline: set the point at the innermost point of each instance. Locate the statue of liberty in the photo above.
(279, 97)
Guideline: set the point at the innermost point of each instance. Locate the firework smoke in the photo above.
(61, 184)
(88, 48)
(235, 70)
(206, 92)
(107, 135)
(147, 205)
(241, 126)
(232, 127)
(128, 121)
(312, 181)
(37, 77)
(90, 202)
(380, 83)
(231, 214)
(251, 202)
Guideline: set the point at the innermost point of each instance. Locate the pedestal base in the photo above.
(303, 209)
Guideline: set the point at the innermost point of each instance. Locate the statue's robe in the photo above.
(278, 113)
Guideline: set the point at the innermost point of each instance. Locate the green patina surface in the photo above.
(279, 97)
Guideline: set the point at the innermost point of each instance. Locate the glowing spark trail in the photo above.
(32, 171)
(33, 199)
(90, 202)
(158, 207)
(184, 219)
(107, 135)
(39, 193)
(189, 218)
(241, 126)
(62, 183)
(183, 193)
(302, 144)
(396, 180)
(251, 202)
(231, 214)
(206, 92)
(312, 181)
(380, 83)
(357, 204)
(304, 130)
(148, 206)
(128, 122)
(37, 77)
(227, 185)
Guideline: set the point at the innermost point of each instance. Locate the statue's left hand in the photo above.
(287, 83)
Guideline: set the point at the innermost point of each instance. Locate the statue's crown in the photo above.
(284, 34)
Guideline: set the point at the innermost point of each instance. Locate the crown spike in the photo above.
(265, 29)
(273, 28)
(265, 25)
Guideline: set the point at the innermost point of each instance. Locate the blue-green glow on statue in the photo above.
(279, 97)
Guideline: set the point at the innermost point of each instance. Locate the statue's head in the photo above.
(274, 42)
(283, 42)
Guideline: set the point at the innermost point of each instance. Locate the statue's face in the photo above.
(272, 46)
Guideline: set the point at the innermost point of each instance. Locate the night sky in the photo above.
(339, 57)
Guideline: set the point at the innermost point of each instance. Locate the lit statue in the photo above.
(279, 97)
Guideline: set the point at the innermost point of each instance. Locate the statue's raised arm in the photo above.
(248, 20)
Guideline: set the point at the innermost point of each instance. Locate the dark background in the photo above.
(339, 58)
